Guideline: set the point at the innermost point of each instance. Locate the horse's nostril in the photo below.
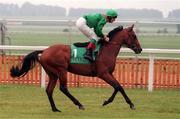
(137, 51)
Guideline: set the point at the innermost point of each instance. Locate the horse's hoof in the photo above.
(105, 103)
(56, 110)
(132, 107)
(81, 107)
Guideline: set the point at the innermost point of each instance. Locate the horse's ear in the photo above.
(131, 28)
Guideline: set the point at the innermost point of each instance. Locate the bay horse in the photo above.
(56, 62)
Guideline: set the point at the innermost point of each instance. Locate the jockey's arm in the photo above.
(99, 27)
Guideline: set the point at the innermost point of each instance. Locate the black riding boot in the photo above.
(88, 55)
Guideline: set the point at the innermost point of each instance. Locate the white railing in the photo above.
(74, 20)
(151, 58)
(149, 51)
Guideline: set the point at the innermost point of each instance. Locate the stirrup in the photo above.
(89, 55)
(90, 58)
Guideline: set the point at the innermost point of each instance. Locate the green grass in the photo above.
(160, 42)
(46, 36)
(30, 102)
(36, 38)
(26, 39)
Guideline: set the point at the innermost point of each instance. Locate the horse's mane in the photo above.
(114, 31)
(110, 35)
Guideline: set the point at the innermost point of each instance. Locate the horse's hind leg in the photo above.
(49, 91)
(64, 89)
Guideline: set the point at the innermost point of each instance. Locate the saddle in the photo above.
(78, 50)
(85, 44)
(79, 44)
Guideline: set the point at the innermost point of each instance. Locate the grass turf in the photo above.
(161, 42)
(30, 102)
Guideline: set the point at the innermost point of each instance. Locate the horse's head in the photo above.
(125, 37)
(130, 40)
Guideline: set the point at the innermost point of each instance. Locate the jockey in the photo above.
(91, 26)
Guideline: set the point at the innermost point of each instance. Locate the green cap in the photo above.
(111, 13)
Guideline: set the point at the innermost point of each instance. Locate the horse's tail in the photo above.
(27, 64)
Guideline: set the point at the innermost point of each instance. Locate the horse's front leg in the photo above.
(111, 98)
(107, 77)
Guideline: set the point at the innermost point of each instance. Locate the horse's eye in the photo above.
(133, 46)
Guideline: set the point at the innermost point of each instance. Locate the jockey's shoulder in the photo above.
(94, 15)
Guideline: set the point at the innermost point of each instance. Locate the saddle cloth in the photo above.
(78, 50)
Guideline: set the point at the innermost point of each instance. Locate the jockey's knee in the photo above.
(93, 40)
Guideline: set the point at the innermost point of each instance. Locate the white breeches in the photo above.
(86, 30)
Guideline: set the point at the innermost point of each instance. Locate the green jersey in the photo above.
(96, 21)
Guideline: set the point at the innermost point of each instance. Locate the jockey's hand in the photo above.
(106, 38)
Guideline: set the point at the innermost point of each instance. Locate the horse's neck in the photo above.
(111, 49)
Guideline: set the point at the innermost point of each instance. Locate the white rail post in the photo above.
(43, 78)
(151, 72)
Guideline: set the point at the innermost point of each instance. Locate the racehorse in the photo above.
(56, 62)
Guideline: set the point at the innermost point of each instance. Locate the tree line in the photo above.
(28, 9)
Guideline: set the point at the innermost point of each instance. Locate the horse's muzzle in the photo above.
(137, 50)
